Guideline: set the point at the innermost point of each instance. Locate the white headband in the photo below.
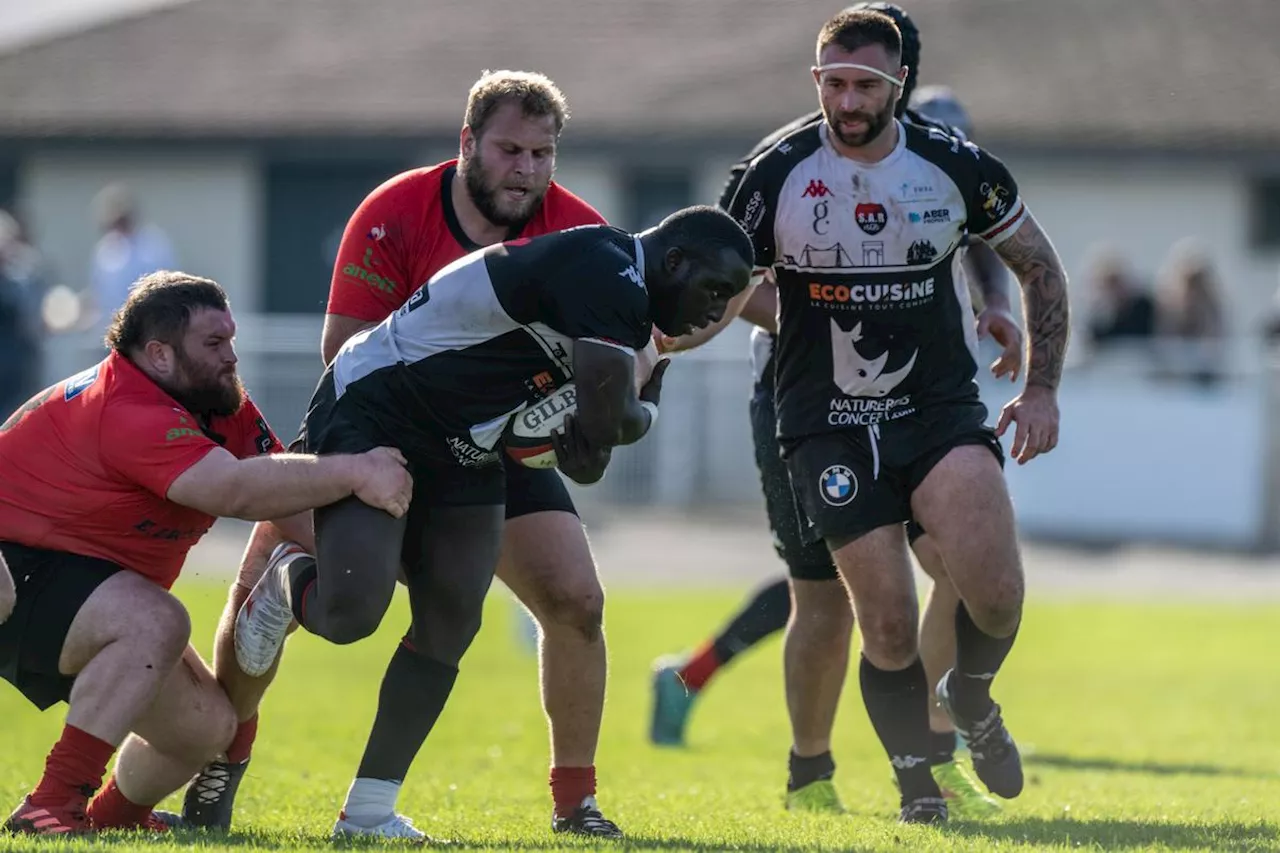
(831, 66)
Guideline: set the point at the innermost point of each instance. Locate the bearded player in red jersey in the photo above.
(109, 478)
(405, 231)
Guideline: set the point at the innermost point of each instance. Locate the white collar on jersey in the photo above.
(640, 260)
(831, 66)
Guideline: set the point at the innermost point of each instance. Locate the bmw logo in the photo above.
(838, 485)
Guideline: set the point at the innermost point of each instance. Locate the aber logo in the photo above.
(361, 272)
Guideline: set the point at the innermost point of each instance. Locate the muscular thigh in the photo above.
(358, 550)
(547, 561)
(964, 504)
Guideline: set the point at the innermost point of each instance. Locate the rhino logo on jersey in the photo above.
(858, 376)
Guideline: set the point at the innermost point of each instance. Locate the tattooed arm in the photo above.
(1035, 263)
(1031, 257)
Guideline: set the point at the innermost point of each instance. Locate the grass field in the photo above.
(1148, 727)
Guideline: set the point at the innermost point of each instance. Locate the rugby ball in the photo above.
(527, 437)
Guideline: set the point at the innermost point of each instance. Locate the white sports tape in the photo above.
(652, 409)
(831, 66)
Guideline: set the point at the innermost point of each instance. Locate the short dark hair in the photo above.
(910, 44)
(159, 308)
(702, 231)
(856, 28)
(535, 93)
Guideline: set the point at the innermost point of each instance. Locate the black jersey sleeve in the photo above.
(740, 168)
(754, 206)
(993, 209)
(599, 296)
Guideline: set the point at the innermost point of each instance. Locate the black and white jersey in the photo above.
(875, 320)
(491, 334)
(762, 341)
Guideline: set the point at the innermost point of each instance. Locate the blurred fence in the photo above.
(1148, 451)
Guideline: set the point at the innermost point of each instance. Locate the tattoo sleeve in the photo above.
(1035, 263)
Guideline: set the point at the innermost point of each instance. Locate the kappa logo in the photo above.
(633, 275)
(816, 189)
(838, 485)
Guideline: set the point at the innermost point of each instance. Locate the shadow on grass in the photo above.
(1154, 768)
(1124, 834)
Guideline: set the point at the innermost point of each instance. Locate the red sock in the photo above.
(570, 786)
(700, 668)
(242, 743)
(113, 810)
(74, 768)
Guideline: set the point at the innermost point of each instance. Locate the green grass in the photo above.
(1147, 727)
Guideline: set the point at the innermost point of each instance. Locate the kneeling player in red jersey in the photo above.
(110, 477)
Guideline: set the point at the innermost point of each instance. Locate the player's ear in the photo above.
(160, 355)
(672, 260)
(466, 142)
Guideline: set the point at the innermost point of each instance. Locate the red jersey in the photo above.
(406, 230)
(87, 464)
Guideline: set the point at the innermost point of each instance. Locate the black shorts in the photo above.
(851, 482)
(336, 426)
(531, 490)
(806, 560)
(52, 586)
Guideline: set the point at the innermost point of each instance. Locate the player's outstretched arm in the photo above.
(1031, 257)
(284, 484)
(1035, 263)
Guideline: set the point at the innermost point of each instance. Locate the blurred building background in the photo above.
(238, 135)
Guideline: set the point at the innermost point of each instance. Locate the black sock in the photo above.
(302, 586)
(942, 748)
(802, 771)
(897, 704)
(978, 659)
(766, 613)
(413, 694)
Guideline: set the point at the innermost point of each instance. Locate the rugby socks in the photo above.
(242, 744)
(570, 786)
(413, 694)
(302, 585)
(805, 770)
(698, 670)
(74, 768)
(978, 658)
(113, 810)
(942, 748)
(371, 801)
(766, 613)
(897, 703)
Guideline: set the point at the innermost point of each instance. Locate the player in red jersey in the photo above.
(405, 231)
(110, 477)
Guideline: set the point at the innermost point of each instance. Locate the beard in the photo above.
(207, 392)
(485, 195)
(876, 123)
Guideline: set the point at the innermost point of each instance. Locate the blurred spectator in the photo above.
(1189, 315)
(127, 250)
(1122, 309)
(22, 289)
